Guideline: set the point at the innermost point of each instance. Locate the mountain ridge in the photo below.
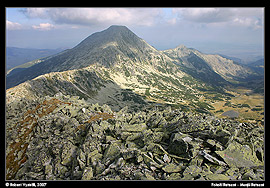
(117, 55)
(106, 46)
(226, 68)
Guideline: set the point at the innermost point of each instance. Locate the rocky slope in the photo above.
(65, 138)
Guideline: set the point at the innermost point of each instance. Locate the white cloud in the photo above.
(96, 16)
(35, 12)
(43, 26)
(172, 21)
(203, 15)
(13, 25)
(248, 22)
(247, 17)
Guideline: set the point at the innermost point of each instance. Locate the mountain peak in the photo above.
(118, 32)
(181, 46)
(113, 33)
(115, 29)
(118, 27)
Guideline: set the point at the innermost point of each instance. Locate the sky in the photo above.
(236, 32)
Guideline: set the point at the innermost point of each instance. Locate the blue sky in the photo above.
(237, 32)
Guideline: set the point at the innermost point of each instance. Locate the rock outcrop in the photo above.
(66, 138)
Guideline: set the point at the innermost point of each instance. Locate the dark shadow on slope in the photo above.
(15, 71)
(87, 85)
(199, 69)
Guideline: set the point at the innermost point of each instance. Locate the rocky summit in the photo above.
(66, 138)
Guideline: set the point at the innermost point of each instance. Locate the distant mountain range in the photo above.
(18, 56)
(117, 67)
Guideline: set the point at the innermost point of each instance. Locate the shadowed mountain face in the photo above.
(209, 68)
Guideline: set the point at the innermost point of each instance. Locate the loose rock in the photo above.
(65, 138)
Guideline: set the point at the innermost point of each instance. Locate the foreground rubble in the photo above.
(65, 138)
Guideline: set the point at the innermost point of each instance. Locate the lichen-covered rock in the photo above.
(170, 168)
(87, 174)
(237, 155)
(148, 136)
(211, 158)
(218, 177)
(111, 152)
(134, 127)
(223, 136)
(66, 138)
(178, 145)
(191, 172)
(68, 153)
